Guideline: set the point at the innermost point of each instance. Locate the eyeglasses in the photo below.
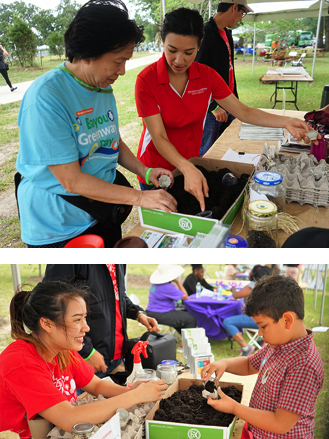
(244, 12)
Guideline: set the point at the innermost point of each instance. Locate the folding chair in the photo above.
(253, 336)
(299, 62)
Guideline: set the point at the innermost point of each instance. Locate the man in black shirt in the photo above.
(217, 51)
(196, 276)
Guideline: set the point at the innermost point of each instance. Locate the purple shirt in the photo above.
(162, 297)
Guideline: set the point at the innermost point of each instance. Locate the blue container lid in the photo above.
(268, 178)
(169, 362)
(235, 241)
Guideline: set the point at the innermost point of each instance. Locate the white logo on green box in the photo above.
(185, 224)
(194, 434)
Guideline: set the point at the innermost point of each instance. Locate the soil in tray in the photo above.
(190, 407)
(220, 197)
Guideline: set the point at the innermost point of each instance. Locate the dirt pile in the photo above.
(220, 197)
(190, 407)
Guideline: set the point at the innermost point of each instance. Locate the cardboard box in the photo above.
(189, 224)
(173, 430)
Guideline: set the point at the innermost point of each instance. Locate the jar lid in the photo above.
(262, 208)
(268, 178)
(235, 241)
(83, 428)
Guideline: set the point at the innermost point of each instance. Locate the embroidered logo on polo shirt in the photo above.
(197, 92)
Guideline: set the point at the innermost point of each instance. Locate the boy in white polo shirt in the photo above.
(289, 367)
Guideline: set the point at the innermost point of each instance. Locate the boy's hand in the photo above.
(225, 404)
(219, 367)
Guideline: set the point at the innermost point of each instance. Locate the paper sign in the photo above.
(233, 156)
(110, 430)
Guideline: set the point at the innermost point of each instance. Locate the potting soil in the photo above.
(220, 197)
(190, 407)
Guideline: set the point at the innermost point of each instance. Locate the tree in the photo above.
(44, 23)
(66, 11)
(22, 41)
(56, 43)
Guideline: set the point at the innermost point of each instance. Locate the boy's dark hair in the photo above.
(101, 26)
(258, 271)
(183, 21)
(275, 295)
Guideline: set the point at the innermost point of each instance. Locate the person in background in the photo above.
(164, 292)
(41, 370)
(292, 271)
(289, 366)
(217, 51)
(193, 278)
(230, 271)
(109, 309)
(232, 325)
(3, 68)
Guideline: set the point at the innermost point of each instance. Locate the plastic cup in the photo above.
(86, 241)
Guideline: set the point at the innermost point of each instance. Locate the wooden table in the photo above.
(308, 215)
(293, 79)
(311, 51)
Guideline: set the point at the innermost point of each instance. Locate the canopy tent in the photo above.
(284, 11)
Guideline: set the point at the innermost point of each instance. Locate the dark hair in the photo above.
(183, 21)
(223, 7)
(48, 300)
(275, 295)
(258, 271)
(196, 266)
(101, 26)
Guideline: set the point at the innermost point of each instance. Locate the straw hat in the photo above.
(166, 273)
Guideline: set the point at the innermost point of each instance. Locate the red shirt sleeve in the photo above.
(145, 100)
(220, 88)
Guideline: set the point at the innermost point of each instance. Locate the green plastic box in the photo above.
(172, 430)
(188, 224)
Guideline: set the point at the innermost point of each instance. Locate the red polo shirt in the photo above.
(183, 116)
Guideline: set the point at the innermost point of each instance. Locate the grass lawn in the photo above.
(250, 90)
(220, 348)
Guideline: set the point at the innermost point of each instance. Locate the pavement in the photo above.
(7, 96)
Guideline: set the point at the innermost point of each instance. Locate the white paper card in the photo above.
(256, 196)
(233, 156)
(110, 430)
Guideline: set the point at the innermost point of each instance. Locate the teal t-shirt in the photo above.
(61, 122)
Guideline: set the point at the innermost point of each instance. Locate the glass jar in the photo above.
(269, 183)
(167, 372)
(262, 224)
(83, 430)
(145, 375)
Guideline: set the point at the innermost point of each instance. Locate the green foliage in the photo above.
(22, 41)
(44, 23)
(66, 11)
(55, 42)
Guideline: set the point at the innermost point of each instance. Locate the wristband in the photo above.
(147, 176)
(91, 353)
(215, 108)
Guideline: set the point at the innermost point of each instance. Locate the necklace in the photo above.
(83, 83)
(51, 371)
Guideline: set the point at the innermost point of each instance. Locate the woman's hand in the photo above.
(217, 367)
(220, 114)
(152, 390)
(225, 404)
(156, 173)
(158, 199)
(196, 184)
(299, 129)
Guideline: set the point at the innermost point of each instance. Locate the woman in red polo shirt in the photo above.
(41, 370)
(173, 95)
